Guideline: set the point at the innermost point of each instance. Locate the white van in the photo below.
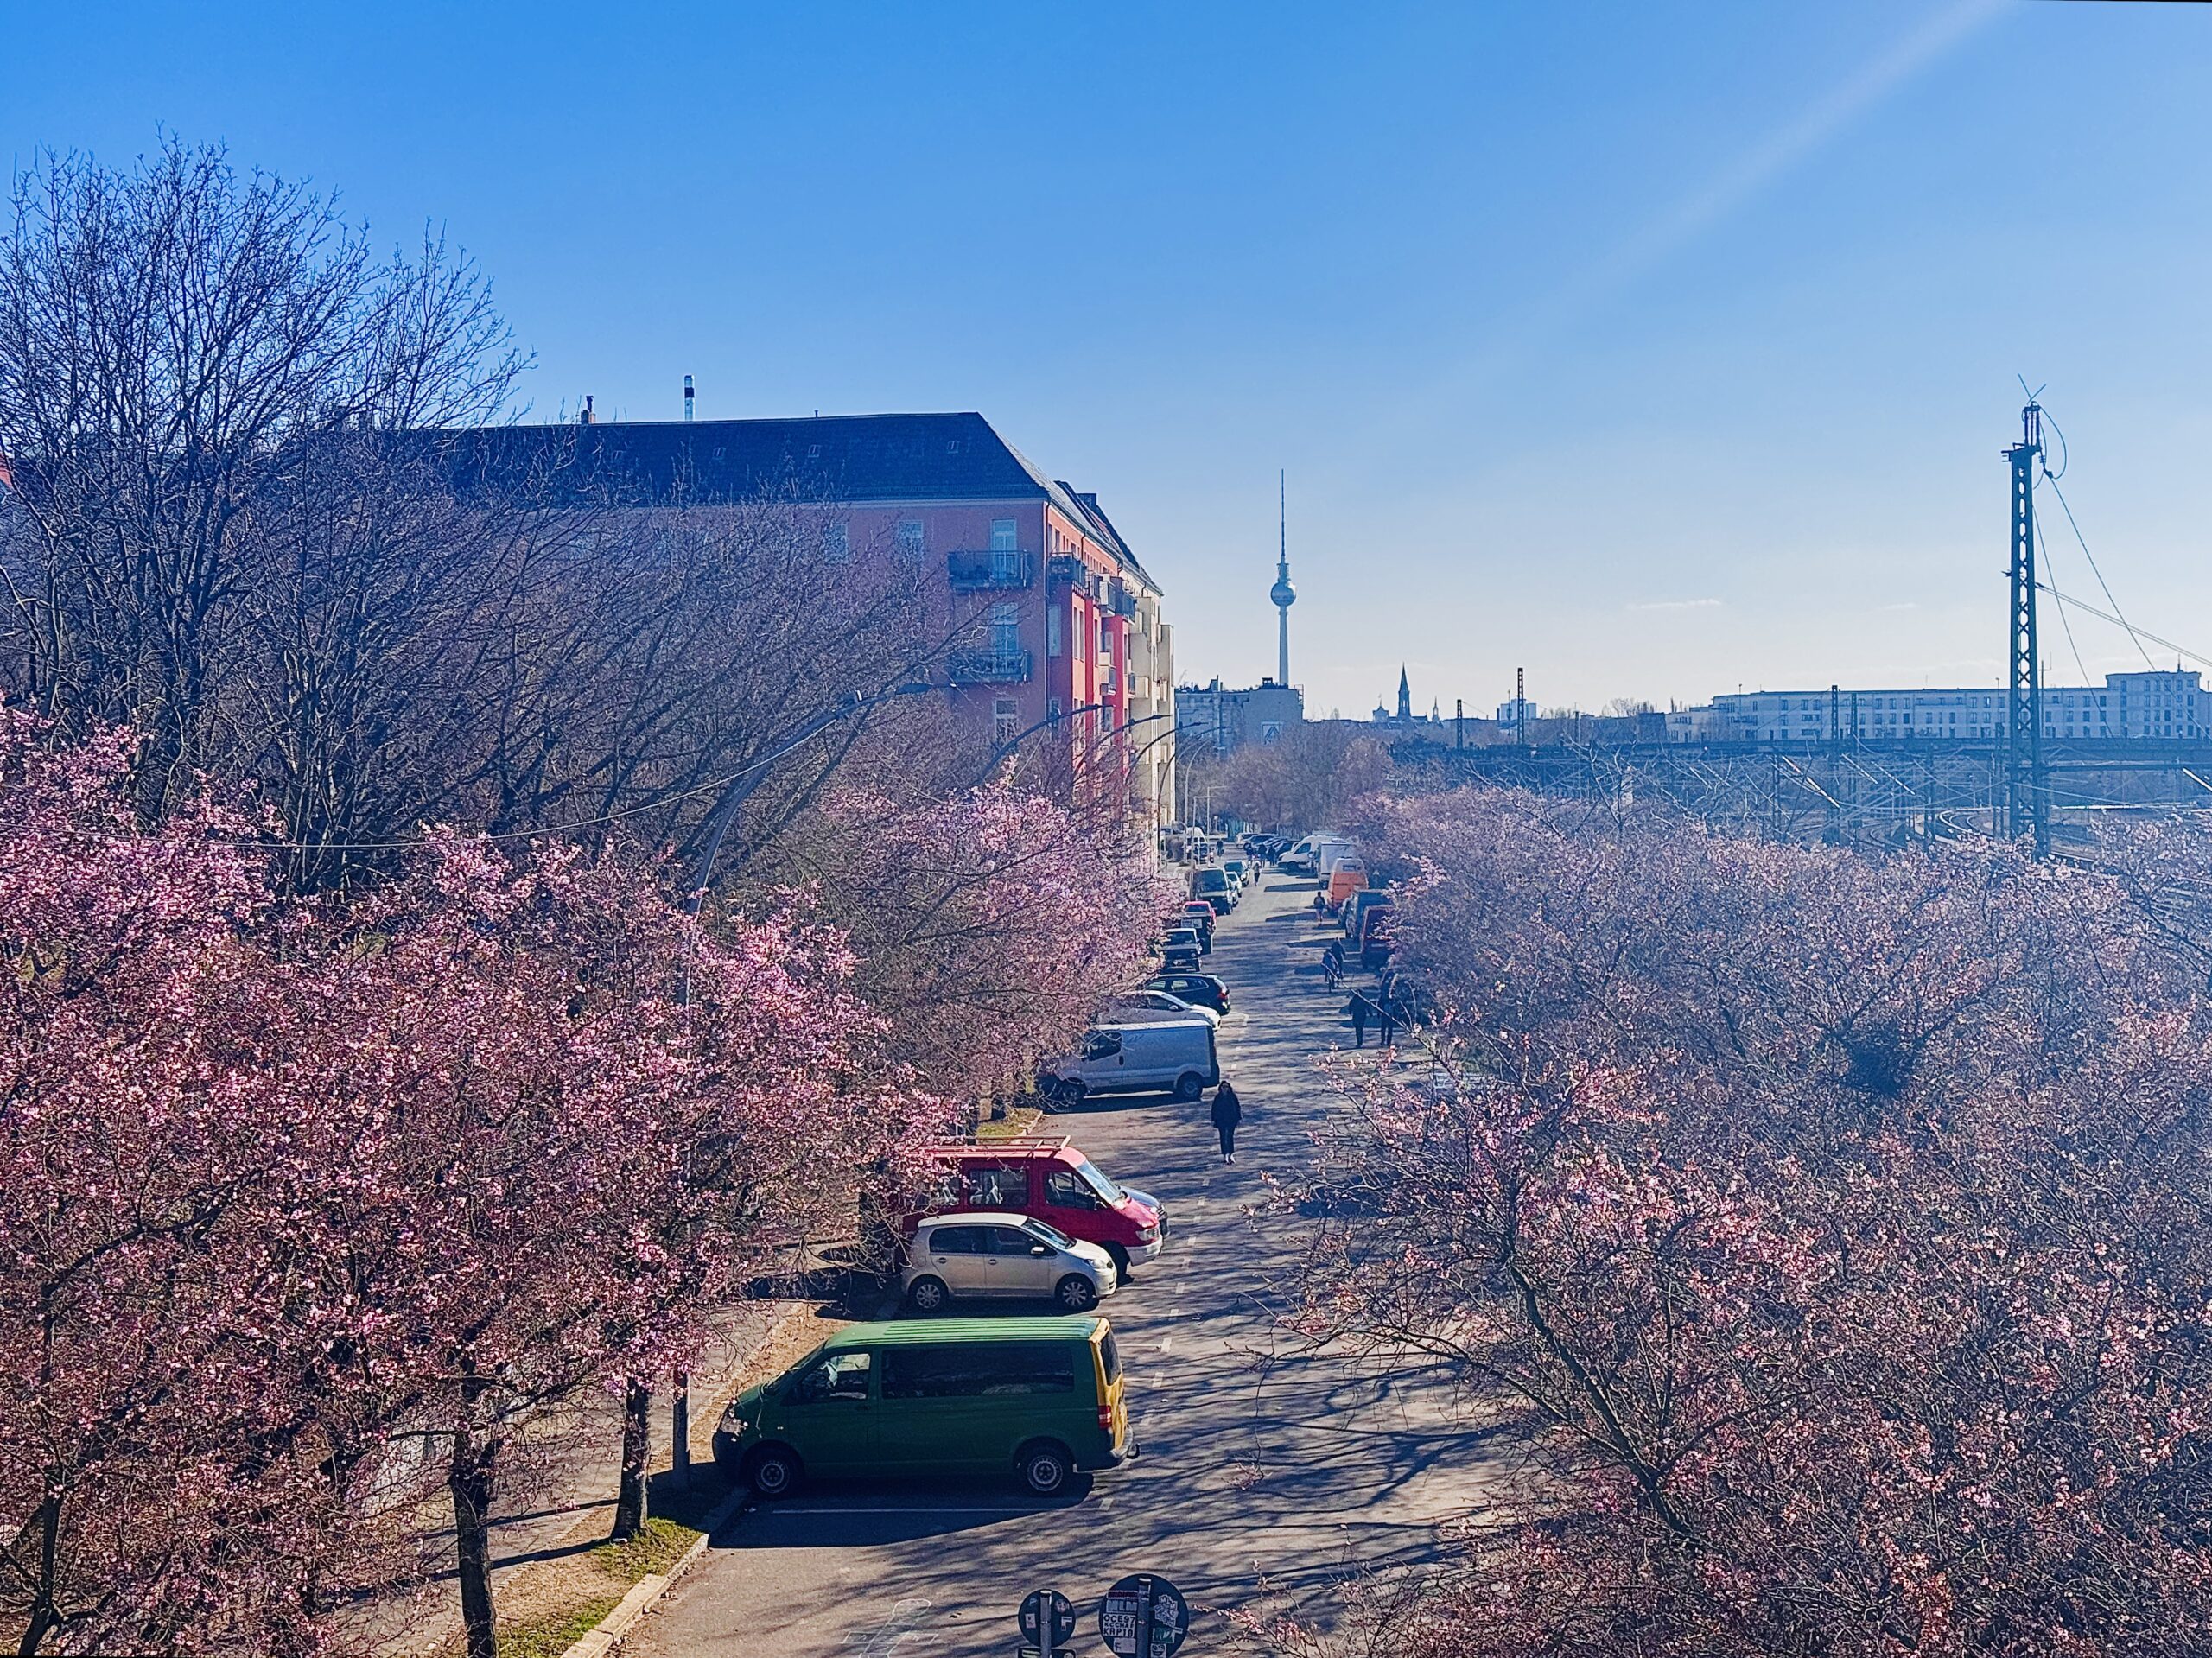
(1175, 1056)
(1330, 850)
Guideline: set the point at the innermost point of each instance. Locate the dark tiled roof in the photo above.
(857, 458)
(840, 458)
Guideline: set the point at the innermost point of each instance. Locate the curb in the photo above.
(646, 1593)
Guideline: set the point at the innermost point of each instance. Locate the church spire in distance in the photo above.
(1283, 595)
(1404, 697)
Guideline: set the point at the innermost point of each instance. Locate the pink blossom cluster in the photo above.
(989, 925)
(1831, 1230)
(303, 1209)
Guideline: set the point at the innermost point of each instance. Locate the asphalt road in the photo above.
(1265, 1474)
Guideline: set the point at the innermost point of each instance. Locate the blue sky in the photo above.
(1656, 349)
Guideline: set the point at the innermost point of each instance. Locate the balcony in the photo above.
(993, 572)
(987, 667)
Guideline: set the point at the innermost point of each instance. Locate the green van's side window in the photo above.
(978, 1369)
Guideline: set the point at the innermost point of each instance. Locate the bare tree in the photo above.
(174, 340)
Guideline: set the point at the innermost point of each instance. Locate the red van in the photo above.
(1051, 1180)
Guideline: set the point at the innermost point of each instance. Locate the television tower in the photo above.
(1282, 594)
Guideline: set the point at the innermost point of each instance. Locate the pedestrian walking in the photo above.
(1358, 1008)
(1332, 966)
(1384, 1030)
(1228, 1112)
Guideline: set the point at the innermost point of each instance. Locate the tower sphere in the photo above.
(1283, 593)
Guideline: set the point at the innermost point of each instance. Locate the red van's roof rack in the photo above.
(1025, 1143)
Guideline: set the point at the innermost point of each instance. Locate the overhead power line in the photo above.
(2051, 478)
(2082, 605)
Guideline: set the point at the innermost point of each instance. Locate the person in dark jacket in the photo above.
(1358, 1008)
(1228, 1112)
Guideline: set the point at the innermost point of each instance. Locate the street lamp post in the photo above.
(742, 785)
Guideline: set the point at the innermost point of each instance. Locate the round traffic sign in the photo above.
(1139, 1598)
(1062, 1617)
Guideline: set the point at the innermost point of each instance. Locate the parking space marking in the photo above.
(914, 1508)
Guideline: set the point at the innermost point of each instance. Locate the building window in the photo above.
(1053, 629)
(1002, 539)
(1006, 630)
(1105, 637)
(836, 543)
(910, 537)
(1006, 718)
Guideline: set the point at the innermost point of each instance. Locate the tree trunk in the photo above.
(470, 1481)
(629, 1500)
(41, 1619)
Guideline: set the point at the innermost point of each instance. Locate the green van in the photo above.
(1037, 1398)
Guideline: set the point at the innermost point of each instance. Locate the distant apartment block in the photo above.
(1066, 630)
(2154, 704)
(1212, 719)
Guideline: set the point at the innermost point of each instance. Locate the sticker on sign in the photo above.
(1143, 1601)
(1031, 1615)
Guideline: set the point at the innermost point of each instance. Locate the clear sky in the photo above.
(1659, 348)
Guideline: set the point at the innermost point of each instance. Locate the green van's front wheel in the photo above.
(1044, 1469)
(775, 1472)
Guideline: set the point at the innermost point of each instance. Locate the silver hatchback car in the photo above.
(1006, 1257)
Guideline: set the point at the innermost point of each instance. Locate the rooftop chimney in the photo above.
(687, 397)
(587, 418)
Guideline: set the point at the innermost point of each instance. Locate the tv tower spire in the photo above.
(1283, 594)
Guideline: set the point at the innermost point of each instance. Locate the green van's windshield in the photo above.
(1097, 1182)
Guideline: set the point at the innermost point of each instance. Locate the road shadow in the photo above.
(858, 1513)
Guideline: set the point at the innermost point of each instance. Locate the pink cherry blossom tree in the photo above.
(987, 925)
(1831, 1229)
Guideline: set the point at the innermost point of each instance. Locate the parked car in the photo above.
(1379, 942)
(1003, 1257)
(1213, 884)
(1048, 1179)
(1180, 947)
(1159, 1001)
(1036, 1398)
(1240, 870)
(1198, 914)
(1178, 1058)
(1201, 989)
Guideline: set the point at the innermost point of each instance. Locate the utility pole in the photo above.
(2027, 783)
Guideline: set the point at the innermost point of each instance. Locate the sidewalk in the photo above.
(570, 1509)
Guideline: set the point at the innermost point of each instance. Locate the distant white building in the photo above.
(2154, 704)
(1214, 719)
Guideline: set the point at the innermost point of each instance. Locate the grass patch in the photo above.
(659, 1545)
(558, 1605)
(1018, 1120)
(551, 1635)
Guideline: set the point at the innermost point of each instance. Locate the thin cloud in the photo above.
(1733, 187)
(1679, 604)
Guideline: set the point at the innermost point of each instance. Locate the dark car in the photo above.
(1180, 949)
(1201, 989)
